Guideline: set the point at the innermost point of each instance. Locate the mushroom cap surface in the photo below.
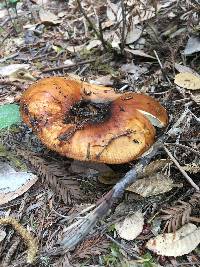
(58, 110)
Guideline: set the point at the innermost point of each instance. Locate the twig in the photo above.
(98, 34)
(180, 168)
(162, 69)
(123, 26)
(69, 66)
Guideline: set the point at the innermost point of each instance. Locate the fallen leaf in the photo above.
(155, 166)
(139, 53)
(192, 46)
(143, 15)
(93, 44)
(103, 80)
(182, 68)
(187, 80)
(68, 62)
(185, 240)
(47, 17)
(8, 70)
(131, 226)
(114, 11)
(12, 183)
(136, 70)
(156, 184)
(133, 33)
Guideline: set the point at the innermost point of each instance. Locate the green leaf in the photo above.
(9, 114)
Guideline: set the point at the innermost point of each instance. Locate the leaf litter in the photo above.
(57, 34)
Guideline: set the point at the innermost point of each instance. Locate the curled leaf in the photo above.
(151, 186)
(131, 226)
(182, 242)
(187, 80)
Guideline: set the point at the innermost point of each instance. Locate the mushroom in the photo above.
(89, 122)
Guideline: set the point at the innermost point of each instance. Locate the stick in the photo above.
(180, 168)
(123, 26)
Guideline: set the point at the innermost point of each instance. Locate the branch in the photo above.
(180, 168)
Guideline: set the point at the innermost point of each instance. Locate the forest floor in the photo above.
(149, 47)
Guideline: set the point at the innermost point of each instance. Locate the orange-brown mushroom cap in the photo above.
(90, 122)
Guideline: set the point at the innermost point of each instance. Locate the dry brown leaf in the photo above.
(155, 166)
(138, 53)
(187, 80)
(176, 244)
(150, 186)
(131, 226)
(48, 17)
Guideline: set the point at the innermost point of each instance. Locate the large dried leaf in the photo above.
(131, 226)
(176, 244)
(187, 80)
(151, 186)
(12, 183)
